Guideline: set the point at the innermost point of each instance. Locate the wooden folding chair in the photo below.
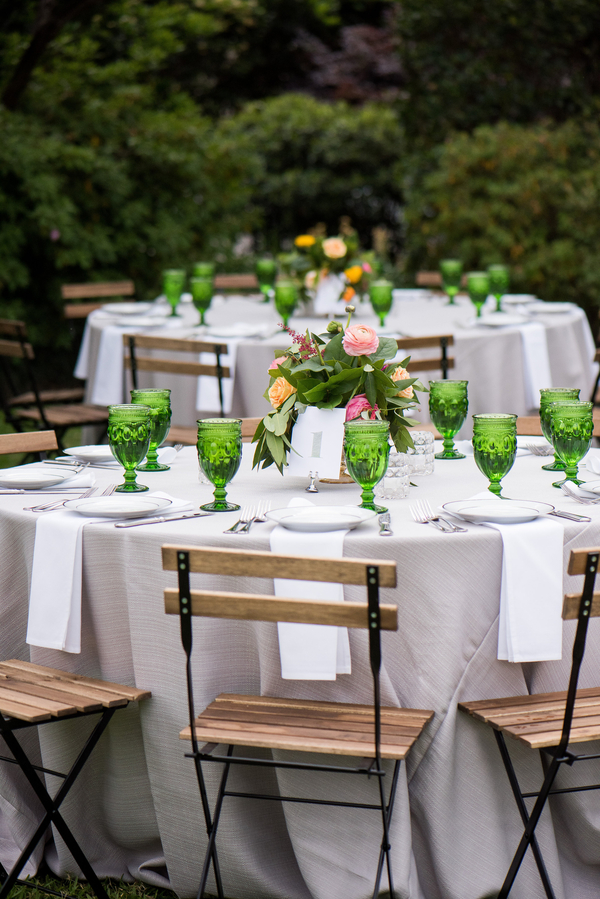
(549, 722)
(135, 362)
(32, 695)
(341, 729)
(100, 291)
(236, 283)
(529, 425)
(29, 442)
(443, 362)
(47, 409)
(189, 436)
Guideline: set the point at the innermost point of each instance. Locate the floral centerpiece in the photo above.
(349, 368)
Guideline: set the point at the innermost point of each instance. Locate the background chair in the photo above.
(100, 291)
(529, 425)
(342, 729)
(46, 409)
(549, 722)
(37, 442)
(441, 363)
(189, 436)
(30, 696)
(236, 283)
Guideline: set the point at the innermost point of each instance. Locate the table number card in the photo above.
(317, 439)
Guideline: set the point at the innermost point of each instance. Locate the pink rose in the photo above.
(359, 404)
(360, 340)
(276, 362)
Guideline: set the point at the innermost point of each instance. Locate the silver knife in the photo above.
(164, 518)
(570, 515)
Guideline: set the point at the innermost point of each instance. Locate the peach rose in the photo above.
(276, 362)
(359, 404)
(334, 248)
(401, 374)
(360, 340)
(310, 279)
(279, 392)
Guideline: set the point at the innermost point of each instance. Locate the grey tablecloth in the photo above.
(144, 819)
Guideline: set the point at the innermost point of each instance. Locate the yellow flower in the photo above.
(354, 273)
(334, 247)
(279, 392)
(304, 240)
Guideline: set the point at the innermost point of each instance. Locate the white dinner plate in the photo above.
(543, 308)
(519, 299)
(501, 319)
(321, 518)
(500, 511)
(99, 453)
(128, 308)
(32, 478)
(118, 506)
(590, 486)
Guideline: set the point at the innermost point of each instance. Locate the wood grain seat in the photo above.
(61, 416)
(307, 726)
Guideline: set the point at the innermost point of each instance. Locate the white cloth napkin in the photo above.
(536, 362)
(310, 651)
(56, 577)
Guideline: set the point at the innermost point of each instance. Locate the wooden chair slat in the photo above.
(189, 436)
(266, 564)
(178, 367)
(429, 365)
(231, 282)
(63, 416)
(175, 344)
(80, 310)
(52, 706)
(573, 601)
(25, 712)
(277, 719)
(97, 289)
(32, 442)
(343, 713)
(510, 702)
(68, 679)
(70, 699)
(578, 559)
(63, 395)
(529, 425)
(242, 700)
(413, 343)
(308, 729)
(15, 349)
(257, 607)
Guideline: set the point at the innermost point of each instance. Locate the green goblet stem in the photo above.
(448, 406)
(219, 456)
(202, 294)
(495, 446)
(499, 276)
(550, 395)
(572, 426)
(173, 284)
(367, 449)
(380, 294)
(129, 439)
(159, 402)
(478, 287)
(286, 298)
(451, 271)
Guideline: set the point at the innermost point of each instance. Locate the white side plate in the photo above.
(324, 518)
(32, 479)
(550, 308)
(99, 453)
(118, 506)
(127, 308)
(502, 511)
(501, 319)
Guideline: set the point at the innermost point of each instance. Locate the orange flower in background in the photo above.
(401, 374)
(279, 392)
(335, 248)
(354, 273)
(310, 279)
(348, 294)
(305, 240)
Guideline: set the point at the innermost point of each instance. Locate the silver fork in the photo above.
(537, 450)
(262, 509)
(245, 515)
(431, 516)
(108, 491)
(584, 500)
(246, 525)
(57, 504)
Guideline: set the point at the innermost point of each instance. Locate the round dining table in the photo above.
(506, 361)
(136, 807)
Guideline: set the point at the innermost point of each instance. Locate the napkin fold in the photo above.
(54, 620)
(536, 362)
(310, 651)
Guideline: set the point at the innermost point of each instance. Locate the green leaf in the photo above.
(269, 422)
(387, 349)
(370, 389)
(280, 423)
(335, 350)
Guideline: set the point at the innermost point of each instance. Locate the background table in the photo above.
(491, 359)
(147, 821)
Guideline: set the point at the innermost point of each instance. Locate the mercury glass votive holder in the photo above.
(448, 407)
(366, 449)
(550, 395)
(495, 446)
(129, 438)
(571, 428)
(219, 456)
(159, 402)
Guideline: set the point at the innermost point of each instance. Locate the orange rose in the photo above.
(348, 294)
(279, 392)
(401, 374)
(335, 248)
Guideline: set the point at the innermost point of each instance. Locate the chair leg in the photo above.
(211, 848)
(386, 817)
(51, 807)
(209, 824)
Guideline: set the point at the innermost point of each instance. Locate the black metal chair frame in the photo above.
(219, 350)
(52, 815)
(370, 767)
(552, 757)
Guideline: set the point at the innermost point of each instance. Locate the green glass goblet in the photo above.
(495, 446)
(129, 438)
(159, 403)
(202, 294)
(499, 276)
(286, 299)
(571, 427)
(448, 407)
(219, 455)
(367, 448)
(204, 270)
(266, 273)
(478, 287)
(380, 294)
(451, 271)
(173, 284)
(550, 395)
